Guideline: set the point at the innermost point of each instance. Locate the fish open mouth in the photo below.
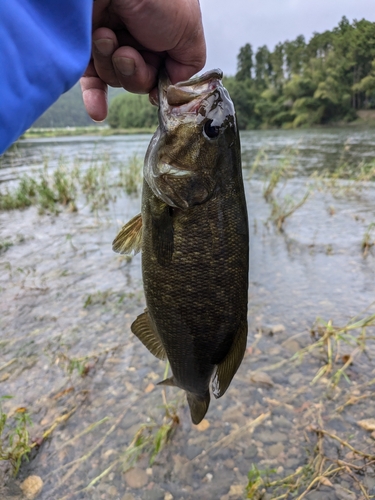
(185, 97)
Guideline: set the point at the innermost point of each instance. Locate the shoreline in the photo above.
(106, 131)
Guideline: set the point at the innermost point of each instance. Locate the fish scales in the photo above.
(194, 241)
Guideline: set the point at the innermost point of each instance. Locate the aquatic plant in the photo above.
(51, 190)
(130, 176)
(368, 239)
(330, 340)
(15, 444)
(282, 209)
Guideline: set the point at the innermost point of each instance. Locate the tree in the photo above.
(244, 63)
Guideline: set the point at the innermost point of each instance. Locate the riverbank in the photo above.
(297, 419)
(77, 131)
(366, 119)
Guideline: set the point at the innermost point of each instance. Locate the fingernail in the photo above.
(124, 65)
(105, 46)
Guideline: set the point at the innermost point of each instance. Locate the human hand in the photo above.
(130, 41)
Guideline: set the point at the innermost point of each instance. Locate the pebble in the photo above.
(155, 494)
(291, 345)
(168, 496)
(272, 436)
(281, 421)
(128, 496)
(344, 494)
(236, 490)
(277, 329)
(262, 379)
(31, 487)
(368, 424)
(203, 425)
(274, 450)
(295, 378)
(136, 478)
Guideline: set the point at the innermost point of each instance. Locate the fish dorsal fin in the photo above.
(143, 329)
(129, 239)
(230, 364)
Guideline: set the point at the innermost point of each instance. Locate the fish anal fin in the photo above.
(228, 367)
(198, 406)
(143, 329)
(129, 239)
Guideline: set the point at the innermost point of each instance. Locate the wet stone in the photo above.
(274, 450)
(31, 487)
(251, 451)
(291, 345)
(154, 494)
(281, 421)
(343, 493)
(369, 482)
(128, 496)
(271, 436)
(192, 451)
(295, 379)
(136, 478)
(321, 495)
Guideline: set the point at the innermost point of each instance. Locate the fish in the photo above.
(194, 238)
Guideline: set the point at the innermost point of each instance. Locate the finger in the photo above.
(94, 94)
(136, 71)
(104, 44)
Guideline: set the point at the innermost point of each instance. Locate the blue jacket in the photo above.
(45, 47)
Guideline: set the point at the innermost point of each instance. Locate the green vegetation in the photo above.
(132, 110)
(302, 84)
(69, 111)
(52, 190)
(14, 436)
(298, 84)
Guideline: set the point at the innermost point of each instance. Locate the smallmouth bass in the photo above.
(193, 234)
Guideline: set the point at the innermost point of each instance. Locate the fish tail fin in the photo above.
(198, 406)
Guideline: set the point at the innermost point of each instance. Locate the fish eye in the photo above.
(211, 131)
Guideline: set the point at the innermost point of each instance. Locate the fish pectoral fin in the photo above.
(143, 329)
(198, 406)
(129, 239)
(230, 364)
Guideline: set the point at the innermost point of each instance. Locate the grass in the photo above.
(368, 240)
(331, 340)
(275, 181)
(74, 131)
(62, 188)
(15, 444)
(130, 177)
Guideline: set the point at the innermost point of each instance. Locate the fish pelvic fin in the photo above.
(198, 406)
(145, 331)
(129, 239)
(226, 370)
(168, 381)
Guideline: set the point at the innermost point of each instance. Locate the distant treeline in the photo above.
(297, 84)
(69, 111)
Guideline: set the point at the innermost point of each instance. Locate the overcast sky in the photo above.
(230, 24)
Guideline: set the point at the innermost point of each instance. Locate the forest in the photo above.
(299, 84)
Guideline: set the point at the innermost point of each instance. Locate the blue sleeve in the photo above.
(45, 48)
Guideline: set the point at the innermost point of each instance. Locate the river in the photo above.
(68, 356)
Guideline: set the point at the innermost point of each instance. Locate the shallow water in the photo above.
(65, 296)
